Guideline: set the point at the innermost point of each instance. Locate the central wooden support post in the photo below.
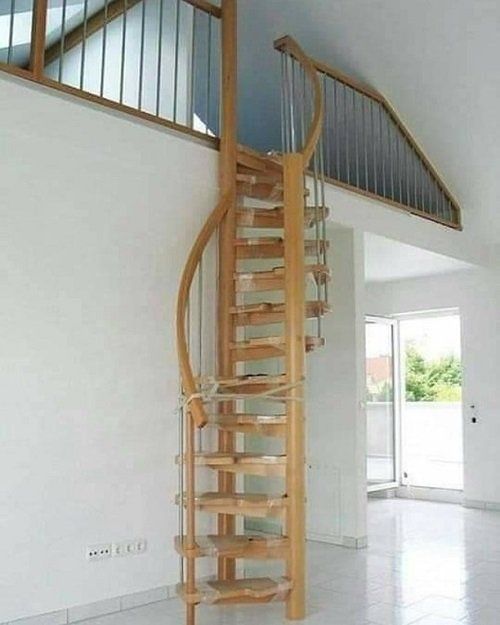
(293, 165)
(227, 255)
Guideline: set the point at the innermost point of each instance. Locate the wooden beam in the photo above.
(115, 9)
(293, 165)
(37, 55)
(227, 255)
(206, 6)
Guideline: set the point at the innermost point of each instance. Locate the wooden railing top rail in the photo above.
(378, 97)
(206, 6)
(195, 404)
(289, 45)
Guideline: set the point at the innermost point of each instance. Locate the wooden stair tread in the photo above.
(250, 590)
(261, 546)
(243, 462)
(268, 312)
(273, 247)
(268, 347)
(266, 425)
(274, 279)
(257, 217)
(255, 505)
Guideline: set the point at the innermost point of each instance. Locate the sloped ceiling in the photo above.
(436, 60)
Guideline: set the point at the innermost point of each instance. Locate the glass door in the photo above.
(381, 403)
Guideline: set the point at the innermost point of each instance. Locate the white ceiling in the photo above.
(387, 260)
(436, 60)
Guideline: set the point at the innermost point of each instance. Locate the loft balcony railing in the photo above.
(364, 146)
(159, 59)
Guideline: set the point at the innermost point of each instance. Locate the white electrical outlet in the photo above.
(98, 552)
(129, 547)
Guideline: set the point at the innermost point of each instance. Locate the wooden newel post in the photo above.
(293, 165)
(227, 257)
(39, 25)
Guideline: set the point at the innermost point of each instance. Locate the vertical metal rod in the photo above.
(283, 105)
(124, 49)
(365, 143)
(326, 130)
(104, 42)
(391, 156)
(62, 42)
(292, 105)
(337, 131)
(346, 130)
(382, 150)
(209, 70)
(141, 55)
(356, 146)
(182, 416)
(84, 43)
(10, 46)
(415, 178)
(159, 60)
(374, 147)
(192, 93)
(176, 57)
(200, 334)
(406, 148)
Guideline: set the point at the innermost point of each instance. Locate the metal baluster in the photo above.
(365, 141)
(336, 134)
(193, 70)
(181, 434)
(159, 61)
(317, 232)
(415, 178)
(209, 69)
(382, 151)
(84, 43)
(391, 156)
(399, 164)
(141, 55)
(62, 41)
(293, 137)
(408, 173)
(326, 133)
(323, 220)
(374, 148)
(176, 58)
(356, 147)
(346, 127)
(124, 49)
(10, 46)
(283, 106)
(104, 46)
(200, 335)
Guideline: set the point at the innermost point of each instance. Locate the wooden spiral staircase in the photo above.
(264, 262)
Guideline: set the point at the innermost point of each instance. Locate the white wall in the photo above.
(97, 215)
(477, 295)
(336, 420)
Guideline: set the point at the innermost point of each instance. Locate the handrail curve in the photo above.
(289, 45)
(190, 389)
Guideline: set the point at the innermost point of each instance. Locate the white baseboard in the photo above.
(98, 608)
(482, 505)
(441, 495)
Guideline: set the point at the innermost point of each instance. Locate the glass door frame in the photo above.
(397, 399)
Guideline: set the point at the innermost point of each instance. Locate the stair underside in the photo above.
(267, 312)
(268, 347)
(264, 425)
(252, 217)
(246, 504)
(274, 247)
(240, 546)
(247, 463)
(252, 590)
(274, 279)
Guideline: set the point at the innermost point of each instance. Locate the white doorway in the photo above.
(431, 406)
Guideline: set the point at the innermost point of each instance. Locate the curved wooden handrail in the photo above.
(289, 45)
(195, 405)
